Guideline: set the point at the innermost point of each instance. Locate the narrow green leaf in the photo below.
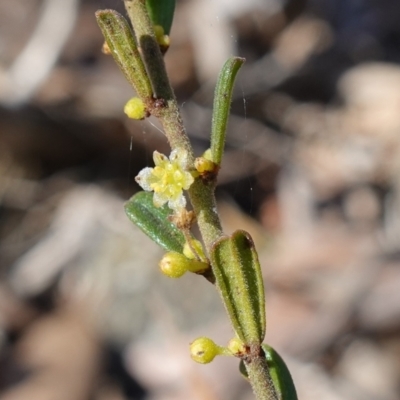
(151, 51)
(153, 221)
(238, 277)
(279, 373)
(120, 40)
(161, 13)
(222, 104)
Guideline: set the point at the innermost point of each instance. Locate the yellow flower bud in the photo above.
(207, 154)
(196, 246)
(162, 39)
(158, 31)
(135, 108)
(174, 265)
(203, 165)
(197, 266)
(164, 42)
(203, 350)
(236, 347)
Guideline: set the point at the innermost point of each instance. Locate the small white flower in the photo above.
(167, 179)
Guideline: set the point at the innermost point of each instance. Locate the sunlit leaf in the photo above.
(153, 221)
(238, 277)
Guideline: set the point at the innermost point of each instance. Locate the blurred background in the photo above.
(312, 170)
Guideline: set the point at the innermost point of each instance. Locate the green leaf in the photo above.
(161, 13)
(120, 40)
(238, 277)
(279, 373)
(222, 104)
(153, 221)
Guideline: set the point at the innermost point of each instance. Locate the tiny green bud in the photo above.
(203, 165)
(196, 246)
(162, 39)
(135, 108)
(174, 265)
(161, 13)
(203, 350)
(158, 31)
(197, 266)
(236, 347)
(207, 154)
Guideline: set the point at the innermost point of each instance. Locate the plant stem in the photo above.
(260, 379)
(201, 191)
(203, 201)
(166, 109)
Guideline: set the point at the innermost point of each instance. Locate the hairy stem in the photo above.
(201, 192)
(166, 109)
(260, 378)
(203, 201)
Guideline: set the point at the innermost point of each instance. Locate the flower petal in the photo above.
(187, 181)
(174, 155)
(167, 179)
(159, 199)
(159, 159)
(144, 179)
(177, 203)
